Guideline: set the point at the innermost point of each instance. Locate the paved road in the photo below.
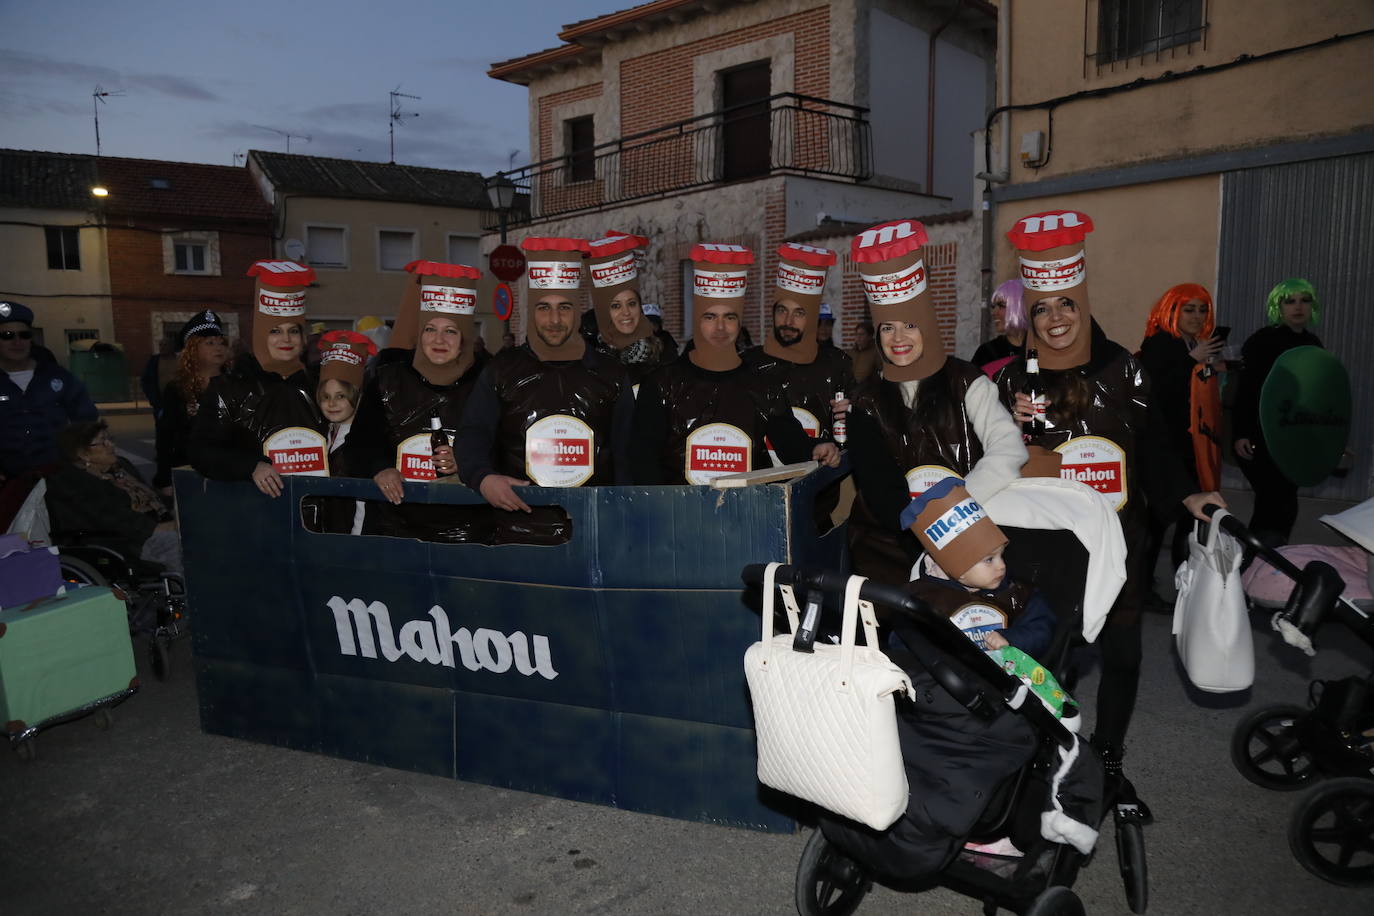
(155, 817)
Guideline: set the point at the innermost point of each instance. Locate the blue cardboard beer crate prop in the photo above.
(606, 669)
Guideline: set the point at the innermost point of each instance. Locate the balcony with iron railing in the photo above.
(783, 134)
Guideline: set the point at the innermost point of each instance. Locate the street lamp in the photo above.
(501, 194)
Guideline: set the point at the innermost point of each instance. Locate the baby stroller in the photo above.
(842, 860)
(1327, 745)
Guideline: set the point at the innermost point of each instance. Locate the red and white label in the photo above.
(615, 271)
(715, 450)
(341, 353)
(555, 274)
(710, 284)
(801, 280)
(281, 305)
(902, 286)
(297, 450)
(1100, 463)
(808, 422)
(1050, 276)
(924, 476)
(451, 300)
(559, 451)
(414, 459)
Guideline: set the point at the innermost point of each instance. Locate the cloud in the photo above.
(18, 65)
(14, 105)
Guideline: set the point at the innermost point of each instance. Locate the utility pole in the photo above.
(97, 99)
(397, 115)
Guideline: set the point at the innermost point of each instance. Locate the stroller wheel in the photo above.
(1130, 855)
(160, 656)
(829, 883)
(1056, 901)
(1265, 748)
(1332, 831)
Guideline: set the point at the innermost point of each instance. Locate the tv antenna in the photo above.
(97, 99)
(397, 115)
(287, 134)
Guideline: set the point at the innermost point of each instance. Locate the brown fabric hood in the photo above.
(800, 282)
(891, 261)
(720, 273)
(555, 266)
(613, 268)
(1052, 263)
(278, 298)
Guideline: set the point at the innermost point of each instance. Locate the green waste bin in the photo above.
(103, 370)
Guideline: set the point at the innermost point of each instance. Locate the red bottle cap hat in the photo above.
(717, 253)
(555, 244)
(806, 254)
(438, 269)
(887, 241)
(1051, 229)
(282, 273)
(614, 244)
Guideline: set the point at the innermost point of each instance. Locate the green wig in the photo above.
(1274, 304)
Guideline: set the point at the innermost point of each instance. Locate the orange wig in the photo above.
(1164, 316)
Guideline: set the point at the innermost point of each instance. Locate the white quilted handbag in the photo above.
(826, 721)
(1211, 624)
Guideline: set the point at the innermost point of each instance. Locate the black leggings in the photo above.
(1276, 498)
(1119, 643)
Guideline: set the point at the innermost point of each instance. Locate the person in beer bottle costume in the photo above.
(790, 357)
(923, 416)
(430, 371)
(1100, 429)
(552, 412)
(623, 331)
(343, 356)
(707, 415)
(260, 421)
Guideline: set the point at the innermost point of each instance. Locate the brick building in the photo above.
(762, 122)
(181, 237)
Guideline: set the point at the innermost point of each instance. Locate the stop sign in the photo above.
(507, 263)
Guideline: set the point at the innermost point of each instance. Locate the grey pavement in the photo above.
(153, 817)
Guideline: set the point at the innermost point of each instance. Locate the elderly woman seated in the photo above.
(99, 497)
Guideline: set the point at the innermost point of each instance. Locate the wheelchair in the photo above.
(155, 598)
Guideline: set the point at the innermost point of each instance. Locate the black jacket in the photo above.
(240, 409)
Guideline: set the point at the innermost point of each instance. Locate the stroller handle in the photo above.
(1317, 589)
(981, 686)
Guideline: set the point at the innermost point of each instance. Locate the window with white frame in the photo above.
(191, 257)
(463, 249)
(395, 248)
(190, 253)
(326, 246)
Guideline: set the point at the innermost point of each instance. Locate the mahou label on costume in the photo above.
(801, 280)
(959, 518)
(715, 450)
(808, 422)
(902, 286)
(977, 620)
(341, 353)
(1050, 276)
(281, 305)
(414, 459)
(924, 476)
(714, 284)
(297, 450)
(452, 300)
(615, 271)
(559, 451)
(1100, 463)
(555, 274)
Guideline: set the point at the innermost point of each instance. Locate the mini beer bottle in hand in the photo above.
(1035, 390)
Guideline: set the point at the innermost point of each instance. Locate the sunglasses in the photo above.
(10, 335)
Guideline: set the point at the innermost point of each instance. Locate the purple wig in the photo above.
(1010, 294)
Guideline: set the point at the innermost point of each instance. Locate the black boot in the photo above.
(1120, 792)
